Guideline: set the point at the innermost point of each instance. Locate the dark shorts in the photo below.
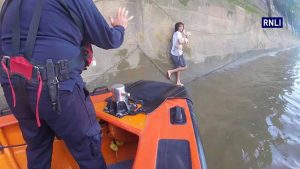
(178, 61)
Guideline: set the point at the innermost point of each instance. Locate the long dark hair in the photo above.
(177, 26)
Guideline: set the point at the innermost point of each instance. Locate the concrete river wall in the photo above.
(222, 32)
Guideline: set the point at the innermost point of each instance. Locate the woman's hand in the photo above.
(121, 18)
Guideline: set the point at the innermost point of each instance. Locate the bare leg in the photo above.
(178, 79)
(177, 70)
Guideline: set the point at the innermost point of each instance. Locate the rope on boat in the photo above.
(11, 146)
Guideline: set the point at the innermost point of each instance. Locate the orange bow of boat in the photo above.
(163, 135)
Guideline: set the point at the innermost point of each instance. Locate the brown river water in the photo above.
(249, 114)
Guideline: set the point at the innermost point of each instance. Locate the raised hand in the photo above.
(121, 18)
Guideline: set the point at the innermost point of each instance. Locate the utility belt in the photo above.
(50, 74)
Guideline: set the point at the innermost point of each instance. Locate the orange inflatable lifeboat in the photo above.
(145, 125)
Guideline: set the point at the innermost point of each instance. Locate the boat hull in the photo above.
(165, 136)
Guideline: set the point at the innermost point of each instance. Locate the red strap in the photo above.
(19, 65)
(27, 75)
(38, 99)
(10, 84)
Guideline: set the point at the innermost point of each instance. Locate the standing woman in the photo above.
(179, 38)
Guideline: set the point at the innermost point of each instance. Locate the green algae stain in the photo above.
(248, 6)
(123, 65)
(122, 52)
(184, 2)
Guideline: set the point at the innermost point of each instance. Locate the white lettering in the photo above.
(265, 22)
(280, 22)
(271, 23)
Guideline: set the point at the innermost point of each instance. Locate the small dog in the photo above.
(184, 39)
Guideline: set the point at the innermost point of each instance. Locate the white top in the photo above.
(175, 42)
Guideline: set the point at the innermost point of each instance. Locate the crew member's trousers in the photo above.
(76, 125)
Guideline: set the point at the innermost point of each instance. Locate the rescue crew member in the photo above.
(47, 94)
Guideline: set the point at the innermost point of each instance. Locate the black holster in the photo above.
(52, 83)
